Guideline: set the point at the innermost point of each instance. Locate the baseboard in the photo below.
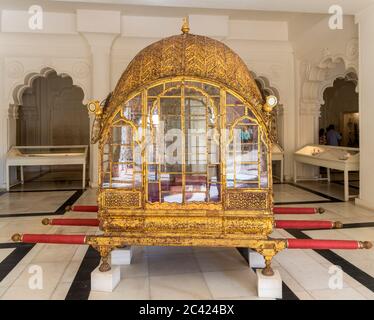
(364, 204)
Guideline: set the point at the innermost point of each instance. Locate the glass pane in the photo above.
(122, 134)
(170, 106)
(195, 197)
(215, 192)
(234, 113)
(155, 91)
(193, 84)
(246, 185)
(230, 99)
(264, 166)
(122, 153)
(246, 172)
(151, 104)
(198, 168)
(172, 84)
(122, 184)
(196, 188)
(153, 192)
(171, 182)
(211, 90)
(214, 173)
(138, 182)
(171, 197)
(152, 152)
(171, 188)
(106, 180)
(171, 123)
(122, 172)
(174, 92)
(195, 107)
(171, 167)
(152, 173)
(105, 167)
(106, 148)
(132, 110)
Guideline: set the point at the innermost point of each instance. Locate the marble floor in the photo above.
(176, 272)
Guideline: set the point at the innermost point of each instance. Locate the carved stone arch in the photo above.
(19, 91)
(314, 79)
(29, 78)
(267, 89)
(265, 86)
(349, 75)
(322, 75)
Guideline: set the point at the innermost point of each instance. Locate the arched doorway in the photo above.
(50, 112)
(341, 109)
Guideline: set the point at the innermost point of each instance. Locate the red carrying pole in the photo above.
(327, 244)
(285, 210)
(84, 208)
(306, 224)
(50, 238)
(72, 222)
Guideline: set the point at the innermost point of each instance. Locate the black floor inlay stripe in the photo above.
(69, 202)
(287, 293)
(358, 225)
(356, 273)
(46, 190)
(81, 286)
(332, 199)
(60, 211)
(20, 251)
(342, 184)
(300, 202)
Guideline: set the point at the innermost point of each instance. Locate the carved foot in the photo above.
(104, 266)
(268, 270)
(104, 253)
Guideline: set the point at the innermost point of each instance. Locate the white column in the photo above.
(99, 28)
(100, 45)
(289, 119)
(309, 114)
(366, 109)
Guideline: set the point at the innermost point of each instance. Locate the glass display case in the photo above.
(338, 158)
(44, 156)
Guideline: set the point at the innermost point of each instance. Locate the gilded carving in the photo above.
(240, 217)
(118, 199)
(188, 55)
(245, 200)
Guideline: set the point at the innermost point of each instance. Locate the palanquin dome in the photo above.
(188, 55)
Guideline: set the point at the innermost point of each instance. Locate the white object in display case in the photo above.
(277, 154)
(46, 156)
(338, 158)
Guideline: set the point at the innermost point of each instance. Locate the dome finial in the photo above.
(185, 26)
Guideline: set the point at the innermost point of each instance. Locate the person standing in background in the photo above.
(332, 136)
(322, 136)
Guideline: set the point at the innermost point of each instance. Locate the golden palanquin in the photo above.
(184, 147)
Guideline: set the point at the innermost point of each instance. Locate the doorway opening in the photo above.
(51, 113)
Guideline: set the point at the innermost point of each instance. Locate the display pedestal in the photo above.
(105, 281)
(269, 286)
(255, 260)
(121, 257)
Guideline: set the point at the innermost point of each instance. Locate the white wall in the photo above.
(366, 96)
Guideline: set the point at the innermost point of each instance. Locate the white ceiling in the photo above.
(310, 6)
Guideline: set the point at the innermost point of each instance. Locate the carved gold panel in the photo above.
(241, 200)
(120, 199)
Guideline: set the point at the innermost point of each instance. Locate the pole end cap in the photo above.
(16, 237)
